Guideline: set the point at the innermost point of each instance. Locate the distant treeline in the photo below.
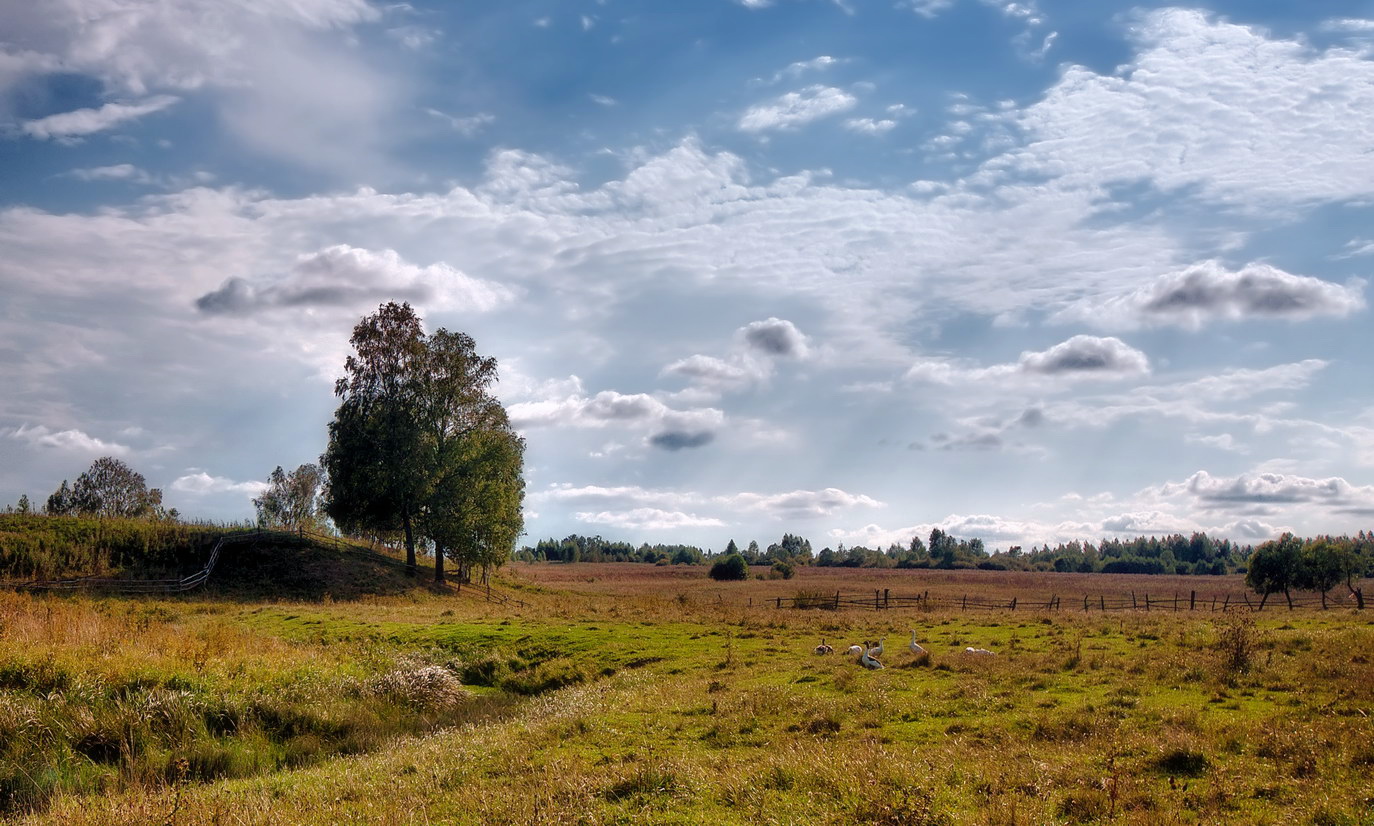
(595, 549)
(1197, 554)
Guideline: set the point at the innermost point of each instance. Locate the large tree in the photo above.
(419, 444)
(473, 459)
(376, 477)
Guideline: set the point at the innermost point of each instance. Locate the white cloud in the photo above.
(801, 504)
(1246, 490)
(83, 122)
(466, 126)
(351, 278)
(927, 8)
(286, 79)
(797, 504)
(1348, 24)
(801, 67)
(649, 519)
(673, 429)
(1242, 119)
(1086, 355)
(797, 108)
(115, 172)
(1080, 357)
(71, 440)
(1209, 291)
(200, 483)
(869, 126)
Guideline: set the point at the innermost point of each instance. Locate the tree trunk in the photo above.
(438, 563)
(1359, 598)
(1288, 596)
(410, 542)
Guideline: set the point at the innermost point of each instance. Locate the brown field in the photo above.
(622, 579)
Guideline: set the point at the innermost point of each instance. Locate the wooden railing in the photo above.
(1192, 601)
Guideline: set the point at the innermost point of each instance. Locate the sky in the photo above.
(1025, 271)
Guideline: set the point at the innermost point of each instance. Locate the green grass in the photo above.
(658, 711)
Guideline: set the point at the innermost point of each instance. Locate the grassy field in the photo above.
(653, 695)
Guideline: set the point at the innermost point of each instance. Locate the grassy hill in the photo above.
(54, 547)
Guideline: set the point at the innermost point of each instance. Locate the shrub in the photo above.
(784, 569)
(1237, 643)
(732, 567)
(810, 598)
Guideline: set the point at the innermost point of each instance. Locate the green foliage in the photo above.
(109, 489)
(792, 549)
(732, 567)
(575, 548)
(291, 499)
(419, 444)
(784, 569)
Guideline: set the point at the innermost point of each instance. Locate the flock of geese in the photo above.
(869, 653)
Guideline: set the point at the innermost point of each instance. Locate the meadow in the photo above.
(644, 694)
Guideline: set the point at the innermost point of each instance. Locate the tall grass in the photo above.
(50, 547)
(102, 695)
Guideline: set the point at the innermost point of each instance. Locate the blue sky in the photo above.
(1027, 271)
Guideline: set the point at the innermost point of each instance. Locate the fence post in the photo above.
(1085, 603)
(963, 606)
(1013, 603)
(837, 600)
(1103, 598)
(1133, 605)
(1192, 601)
(779, 605)
(886, 595)
(1226, 605)
(875, 599)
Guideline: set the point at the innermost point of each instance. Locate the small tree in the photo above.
(23, 508)
(109, 488)
(1324, 564)
(61, 502)
(290, 501)
(732, 567)
(1274, 567)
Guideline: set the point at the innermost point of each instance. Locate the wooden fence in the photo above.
(884, 599)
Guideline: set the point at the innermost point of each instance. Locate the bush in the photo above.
(784, 569)
(732, 567)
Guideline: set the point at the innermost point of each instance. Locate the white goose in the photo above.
(915, 647)
(854, 650)
(877, 650)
